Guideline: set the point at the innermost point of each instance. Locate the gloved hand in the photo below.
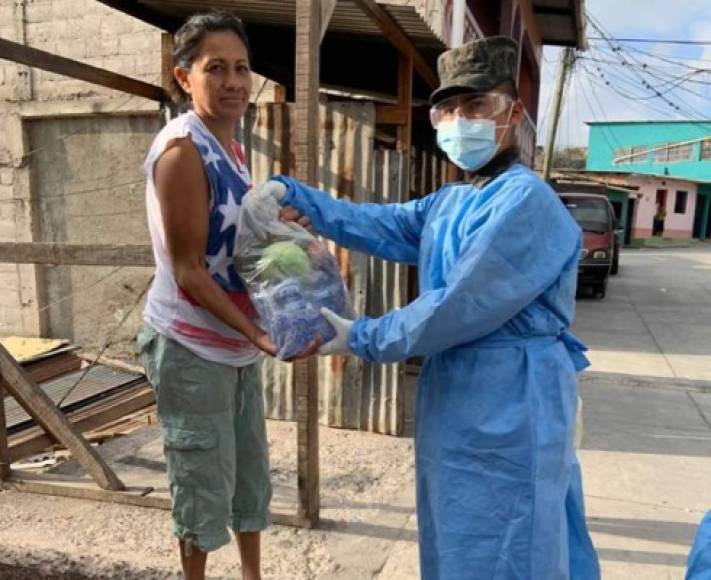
(342, 326)
(274, 189)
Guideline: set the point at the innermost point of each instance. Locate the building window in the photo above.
(680, 203)
(630, 155)
(638, 155)
(706, 150)
(674, 153)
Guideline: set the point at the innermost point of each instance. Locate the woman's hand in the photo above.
(289, 214)
(310, 350)
(261, 340)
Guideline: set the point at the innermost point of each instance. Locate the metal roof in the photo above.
(355, 54)
(561, 22)
(347, 16)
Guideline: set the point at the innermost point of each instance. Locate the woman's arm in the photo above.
(183, 193)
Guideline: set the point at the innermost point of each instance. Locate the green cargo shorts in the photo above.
(215, 444)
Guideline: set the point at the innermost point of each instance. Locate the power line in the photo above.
(656, 40)
(618, 52)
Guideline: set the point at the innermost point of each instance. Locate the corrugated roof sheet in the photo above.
(98, 381)
(347, 16)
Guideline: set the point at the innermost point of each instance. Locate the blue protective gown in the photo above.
(700, 557)
(499, 492)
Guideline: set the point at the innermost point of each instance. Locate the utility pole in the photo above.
(563, 71)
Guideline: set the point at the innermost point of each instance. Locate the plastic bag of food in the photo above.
(290, 275)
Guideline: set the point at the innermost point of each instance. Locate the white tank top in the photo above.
(169, 309)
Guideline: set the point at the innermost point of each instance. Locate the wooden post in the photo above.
(565, 64)
(167, 43)
(41, 408)
(404, 131)
(306, 137)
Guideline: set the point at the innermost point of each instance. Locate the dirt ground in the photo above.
(367, 502)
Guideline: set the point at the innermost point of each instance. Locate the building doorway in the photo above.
(630, 220)
(698, 232)
(660, 213)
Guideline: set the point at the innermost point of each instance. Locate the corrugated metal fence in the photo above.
(353, 394)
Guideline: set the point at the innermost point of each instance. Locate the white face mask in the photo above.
(470, 143)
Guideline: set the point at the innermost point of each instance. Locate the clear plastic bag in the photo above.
(290, 275)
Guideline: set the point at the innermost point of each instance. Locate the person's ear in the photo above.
(516, 112)
(181, 76)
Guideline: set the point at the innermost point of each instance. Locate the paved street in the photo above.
(647, 447)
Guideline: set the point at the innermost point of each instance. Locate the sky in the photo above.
(589, 98)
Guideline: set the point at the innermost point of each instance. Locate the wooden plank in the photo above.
(76, 254)
(327, 8)
(53, 63)
(404, 95)
(138, 496)
(134, 495)
(167, 43)
(41, 408)
(306, 148)
(391, 115)
(399, 39)
(39, 441)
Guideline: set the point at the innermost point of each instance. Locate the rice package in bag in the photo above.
(290, 275)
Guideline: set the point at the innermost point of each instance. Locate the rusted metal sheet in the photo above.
(346, 161)
(353, 394)
(382, 407)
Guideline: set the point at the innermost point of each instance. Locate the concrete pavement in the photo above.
(646, 452)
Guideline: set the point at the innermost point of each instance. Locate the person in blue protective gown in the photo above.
(699, 564)
(499, 491)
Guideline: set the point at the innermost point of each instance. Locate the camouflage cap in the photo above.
(479, 65)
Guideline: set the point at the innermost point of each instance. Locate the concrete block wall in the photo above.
(87, 31)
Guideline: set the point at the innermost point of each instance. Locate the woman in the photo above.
(201, 345)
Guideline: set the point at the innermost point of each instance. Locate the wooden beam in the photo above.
(144, 13)
(399, 39)
(391, 115)
(33, 57)
(37, 441)
(327, 8)
(306, 148)
(167, 44)
(404, 97)
(76, 254)
(40, 407)
(553, 11)
(404, 131)
(136, 496)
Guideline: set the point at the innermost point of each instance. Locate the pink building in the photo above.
(678, 199)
